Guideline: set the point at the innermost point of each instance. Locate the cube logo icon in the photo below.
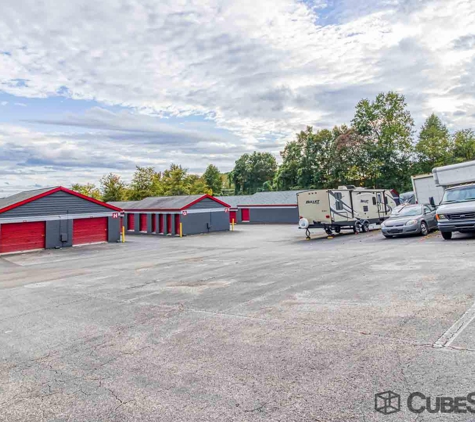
(387, 402)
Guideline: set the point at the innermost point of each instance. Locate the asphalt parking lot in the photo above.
(253, 325)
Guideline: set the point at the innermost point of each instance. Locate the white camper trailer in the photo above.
(344, 208)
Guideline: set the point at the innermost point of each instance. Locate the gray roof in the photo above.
(22, 196)
(288, 197)
(164, 202)
(234, 201)
(122, 204)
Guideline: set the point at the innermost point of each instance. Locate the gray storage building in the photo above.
(264, 207)
(163, 215)
(54, 218)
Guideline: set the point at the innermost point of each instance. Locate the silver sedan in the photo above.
(409, 219)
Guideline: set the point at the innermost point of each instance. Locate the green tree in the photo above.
(349, 160)
(174, 181)
(177, 181)
(145, 183)
(287, 176)
(213, 179)
(317, 151)
(386, 127)
(464, 145)
(313, 160)
(228, 185)
(434, 147)
(88, 189)
(241, 174)
(251, 171)
(197, 185)
(263, 167)
(113, 188)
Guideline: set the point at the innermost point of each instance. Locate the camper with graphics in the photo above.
(347, 207)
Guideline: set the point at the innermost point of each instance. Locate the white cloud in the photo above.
(100, 141)
(261, 69)
(255, 67)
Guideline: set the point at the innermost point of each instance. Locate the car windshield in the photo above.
(461, 194)
(407, 212)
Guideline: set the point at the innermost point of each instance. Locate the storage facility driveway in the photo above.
(253, 325)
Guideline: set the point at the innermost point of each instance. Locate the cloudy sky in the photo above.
(88, 87)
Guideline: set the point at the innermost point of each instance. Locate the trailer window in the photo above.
(339, 203)
(374, 200)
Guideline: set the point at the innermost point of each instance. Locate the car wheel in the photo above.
(447, 235)
(424, 229)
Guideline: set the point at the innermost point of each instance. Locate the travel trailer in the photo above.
(344, 208)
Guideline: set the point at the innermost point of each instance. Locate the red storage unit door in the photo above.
(130, 222)
(143, 222)
(232, 216)
(245, 214)
(89, 230)
(15, 237)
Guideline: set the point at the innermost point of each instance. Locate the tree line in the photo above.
(378, 150)
(148, 182)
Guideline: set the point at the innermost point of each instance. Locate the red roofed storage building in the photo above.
(162, 215)
(55, 218)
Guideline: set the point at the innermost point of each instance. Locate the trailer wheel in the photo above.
(358, 227)
(328, 231)
(365, 227)
(337, 229)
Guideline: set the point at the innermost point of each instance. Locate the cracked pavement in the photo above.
(252, 325)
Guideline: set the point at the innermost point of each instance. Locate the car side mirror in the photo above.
(432, 202)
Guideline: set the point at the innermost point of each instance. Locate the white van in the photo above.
(456, 212)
